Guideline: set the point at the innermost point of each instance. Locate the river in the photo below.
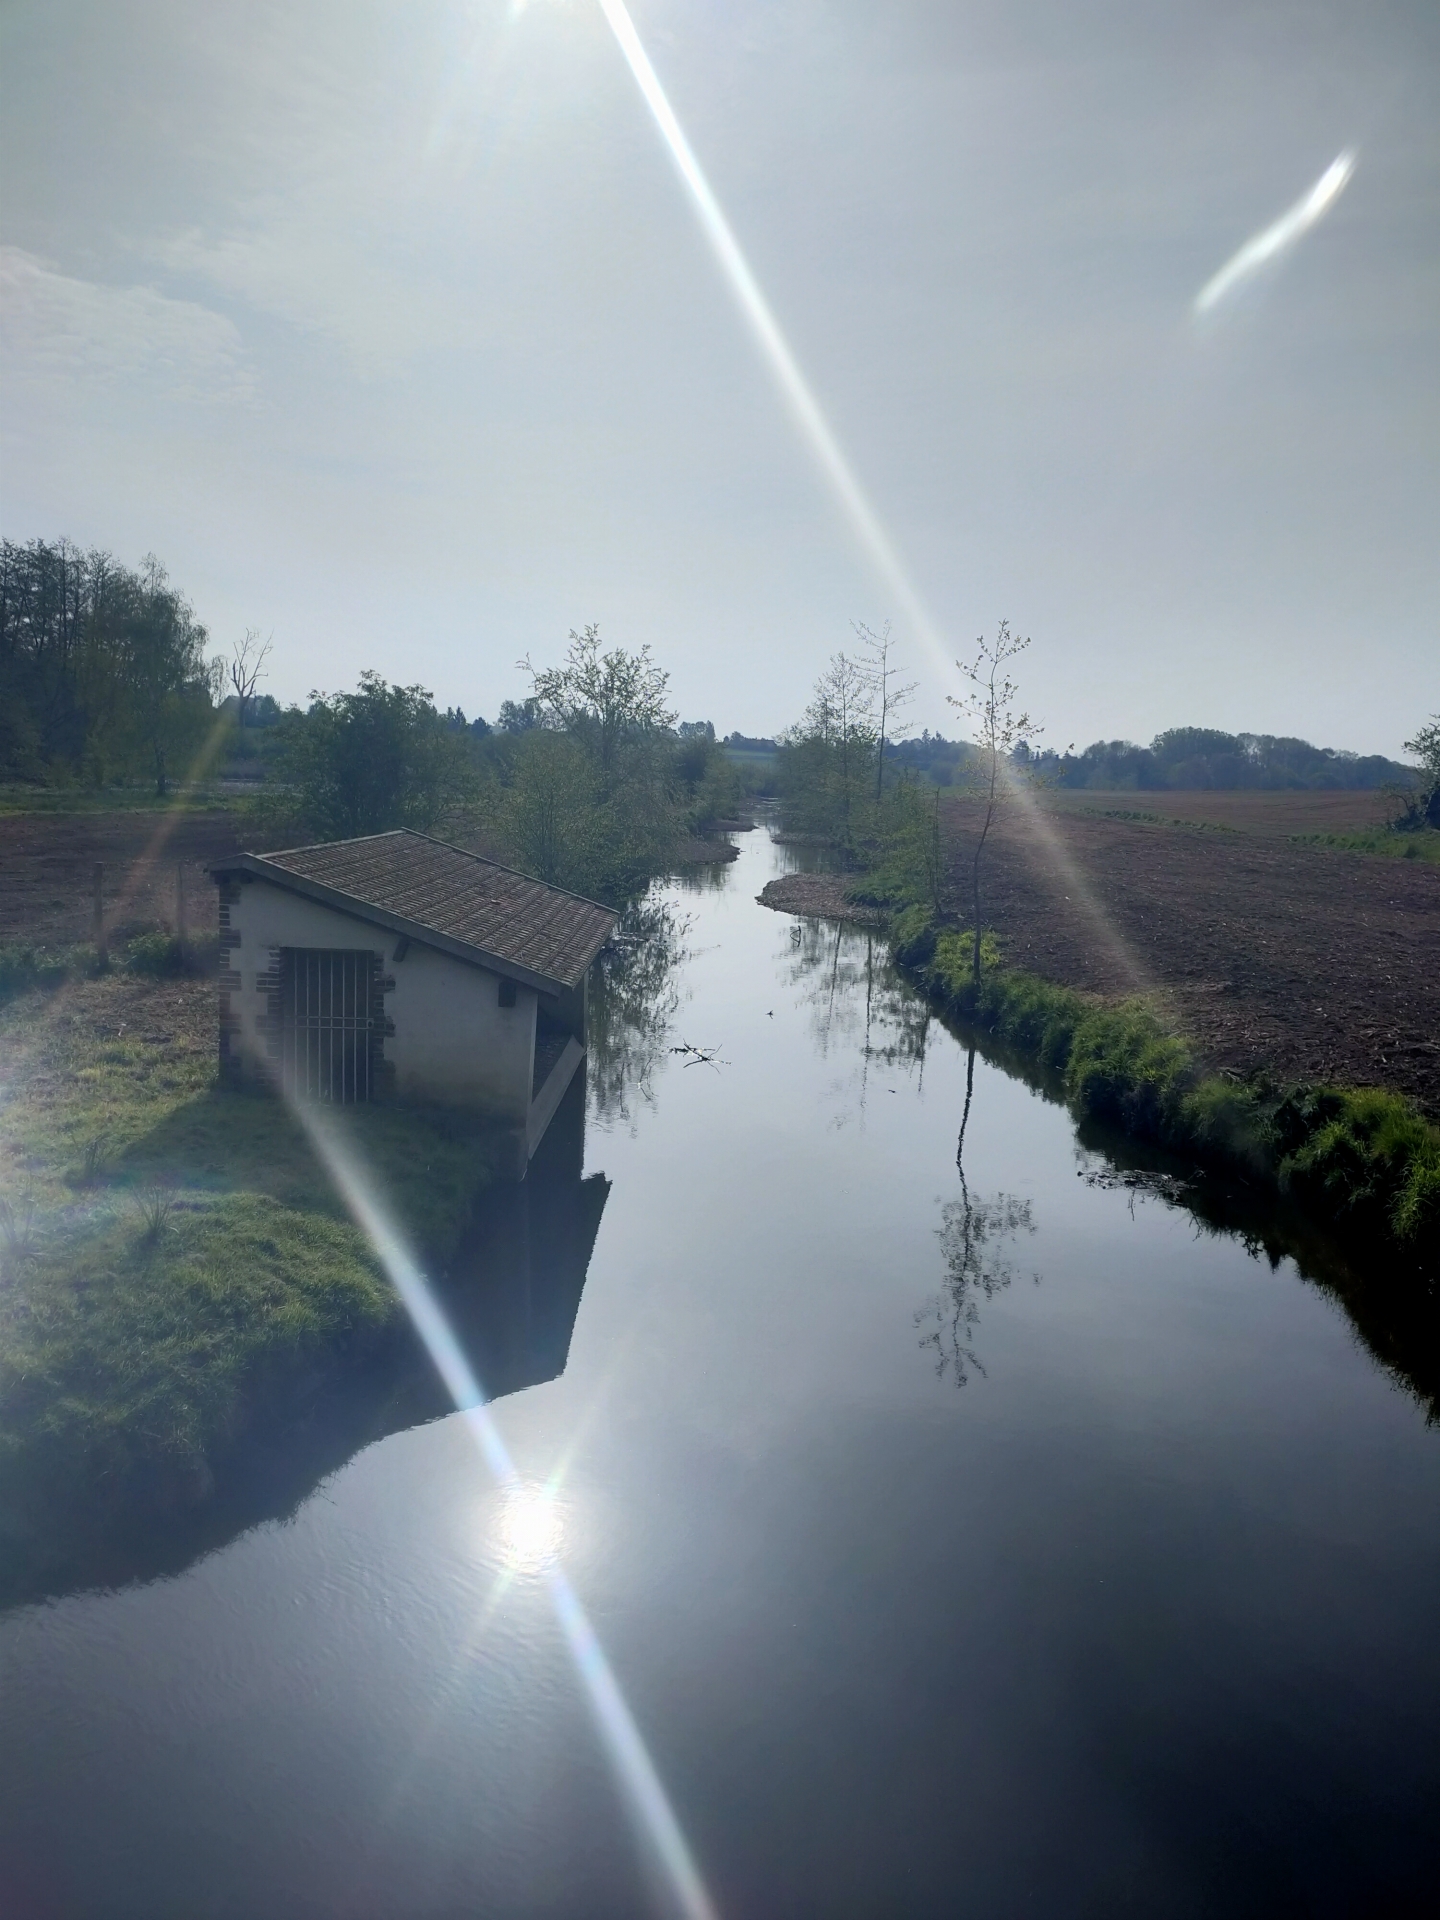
(979, 1540)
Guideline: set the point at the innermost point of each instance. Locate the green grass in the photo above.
(172, 1257)
(157, 954)
(1362, 1159)
(1424, 845)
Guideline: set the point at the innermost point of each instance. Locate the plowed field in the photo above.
(1315, 963)
(47, 862)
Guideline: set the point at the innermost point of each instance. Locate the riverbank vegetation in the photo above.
(589, 780)
(174, 1262)
(1363, 1159)
(590, 783)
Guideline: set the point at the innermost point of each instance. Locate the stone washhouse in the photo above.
(396, 967)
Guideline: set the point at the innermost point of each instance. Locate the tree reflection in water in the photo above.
(633, 1002)
(863, 1007)
(976, 1235)
(858, 1002)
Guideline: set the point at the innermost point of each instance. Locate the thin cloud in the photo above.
(55, 327)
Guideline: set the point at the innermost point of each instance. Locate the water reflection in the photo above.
(976, 1235)
(860, 1007)
(869, 1022)
(530, 1528)
(633, 1002)
(1398, 1321)
(511, 1295)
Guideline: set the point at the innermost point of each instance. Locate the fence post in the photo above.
(97, 918)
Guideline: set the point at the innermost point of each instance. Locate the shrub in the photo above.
(23, 968)
(159, 955)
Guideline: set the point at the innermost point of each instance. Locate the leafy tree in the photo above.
(517, 716)
(1000, 728)
(372, 760)
(606, 699)
(828, 758)
(549, 818)
(711, 785)
(170, 685)
(1425, 806)
(102, 669)
(594, 785)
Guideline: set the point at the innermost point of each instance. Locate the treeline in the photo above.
(1188, 758)
(1184, 758)
(845, 783)
(103, 672)
(1202, 758)
(588, 783)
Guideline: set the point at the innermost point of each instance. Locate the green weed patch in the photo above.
(173, 1259)
(1421, 845)
(1362, 1159)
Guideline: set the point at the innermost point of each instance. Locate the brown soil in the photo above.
(1270, 813)
(47, 862)
(1312, 963)
(695, 852)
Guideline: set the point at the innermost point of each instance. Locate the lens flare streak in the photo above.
(773, 344)
(650, 1805)
(1282, 234)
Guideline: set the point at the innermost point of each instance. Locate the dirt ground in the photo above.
(47, 863)
(1268, 813)
(1314, 963)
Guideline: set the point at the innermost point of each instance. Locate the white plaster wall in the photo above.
(453, 1041)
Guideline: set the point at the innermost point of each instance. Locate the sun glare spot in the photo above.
(530, 1528)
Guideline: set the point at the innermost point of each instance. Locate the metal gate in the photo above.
(328, 1023)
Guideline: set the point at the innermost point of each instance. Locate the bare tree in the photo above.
(889, 695)
(1000, 728)
(842, 716)
(247, 668)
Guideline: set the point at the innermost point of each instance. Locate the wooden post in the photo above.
(97, 918)
(180, 902)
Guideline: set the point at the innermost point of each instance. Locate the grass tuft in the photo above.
(1359, 1158)
(174, 1257)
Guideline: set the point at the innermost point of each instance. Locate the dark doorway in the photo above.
(329, 1023)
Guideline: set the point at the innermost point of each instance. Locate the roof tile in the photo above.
(499, 912)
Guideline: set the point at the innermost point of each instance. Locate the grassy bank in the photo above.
(1421, 845)
(1361, 1159)
(176, 1265)
(155, 955)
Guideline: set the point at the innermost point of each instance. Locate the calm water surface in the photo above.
(984, 1542)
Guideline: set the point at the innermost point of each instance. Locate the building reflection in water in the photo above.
(511, 1295)
(513, 1289)
(633, 1002)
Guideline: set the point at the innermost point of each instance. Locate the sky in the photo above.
(392, 330)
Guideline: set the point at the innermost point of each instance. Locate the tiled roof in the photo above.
(424, 886)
